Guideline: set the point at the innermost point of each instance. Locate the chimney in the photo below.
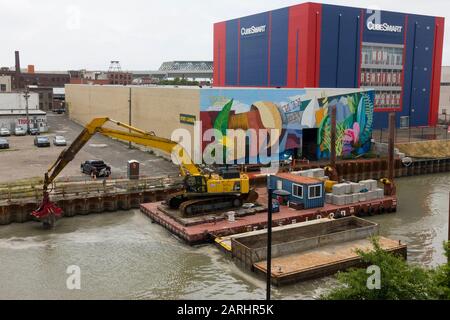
(18, 86)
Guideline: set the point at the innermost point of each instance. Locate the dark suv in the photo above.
(96, 167)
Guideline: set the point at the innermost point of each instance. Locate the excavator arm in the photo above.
(135, 135)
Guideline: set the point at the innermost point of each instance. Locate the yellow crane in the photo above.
(203, 192)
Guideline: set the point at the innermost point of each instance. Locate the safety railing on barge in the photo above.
(66, 187)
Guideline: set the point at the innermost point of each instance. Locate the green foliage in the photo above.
(180, 82)
(221, 122)
(399, 280)
(442, 277)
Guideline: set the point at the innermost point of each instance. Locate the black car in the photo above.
(96, 167)
(4, 143)
(34, 132)
(41, 142)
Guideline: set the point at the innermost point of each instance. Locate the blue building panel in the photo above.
(340, 45)
(279, 47)
(254, 51)
(232, 59)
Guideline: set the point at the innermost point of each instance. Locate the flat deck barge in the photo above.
(200, 230)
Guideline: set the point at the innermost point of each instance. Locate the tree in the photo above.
(399, 280)
(442, 276)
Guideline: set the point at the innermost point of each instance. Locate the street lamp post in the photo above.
(270, 193)
(27, 96)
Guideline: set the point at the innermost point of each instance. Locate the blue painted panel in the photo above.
(254, 52)
(231, 70)
(279, 47)
(339, 54)
(423, 27)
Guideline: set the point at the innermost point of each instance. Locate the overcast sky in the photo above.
(75, 34)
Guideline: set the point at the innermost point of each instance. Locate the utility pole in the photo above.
(129, 115)
(27, 96)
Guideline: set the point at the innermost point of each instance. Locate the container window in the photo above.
(297, 191)
(279, 185)
(315, 192)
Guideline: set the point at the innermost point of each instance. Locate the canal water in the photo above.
(124, 256)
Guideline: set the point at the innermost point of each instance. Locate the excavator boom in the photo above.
(135, 135)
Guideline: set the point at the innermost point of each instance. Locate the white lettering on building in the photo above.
(253, 30)
(383, 27)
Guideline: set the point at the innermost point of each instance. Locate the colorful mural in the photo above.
(290, 111)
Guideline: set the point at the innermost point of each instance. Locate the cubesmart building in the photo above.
(326, 46)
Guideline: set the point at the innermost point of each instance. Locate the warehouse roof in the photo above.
(187, 66)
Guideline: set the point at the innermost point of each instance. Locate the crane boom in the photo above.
(203, 192)
(134, 135)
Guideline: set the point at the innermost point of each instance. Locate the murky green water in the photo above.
(125, 256)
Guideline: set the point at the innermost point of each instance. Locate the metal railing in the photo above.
(413, 134)
(80, 186)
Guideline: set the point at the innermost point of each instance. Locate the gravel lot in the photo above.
(23, 160)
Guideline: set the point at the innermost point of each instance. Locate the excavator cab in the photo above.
(195, 184)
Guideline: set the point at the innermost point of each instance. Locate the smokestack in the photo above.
(18, 86)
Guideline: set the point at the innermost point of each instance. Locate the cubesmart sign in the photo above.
(384, 27)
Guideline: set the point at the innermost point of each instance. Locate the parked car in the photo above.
(19, 131)
(4, 132)
(41, 142)
(34, 132)
(96, 167)
(59, 141)
(4, 144)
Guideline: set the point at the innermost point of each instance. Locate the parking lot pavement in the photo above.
(23, 160)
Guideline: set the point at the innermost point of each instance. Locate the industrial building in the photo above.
(13, 112)
(444, 101)
(20, 79)
(300, 117)
(315, 45)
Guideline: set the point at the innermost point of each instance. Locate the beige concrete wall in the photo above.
(444, 98)
(6, 81)
(153, 109)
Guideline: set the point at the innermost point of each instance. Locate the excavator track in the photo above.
(206, 205)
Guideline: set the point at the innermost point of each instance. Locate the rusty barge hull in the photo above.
(221, 227)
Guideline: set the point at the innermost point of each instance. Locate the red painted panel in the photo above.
(305, 21)
(295, 14)
(220, 43)
(436, 72)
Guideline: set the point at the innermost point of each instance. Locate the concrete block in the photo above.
(339, 189)
(355, 198)
(380, 193)
(329, 198)
(348, 199)
(369, 184)
(348, 188)
(340, 200)
(363, 197)
(356, 187)
(318, 173)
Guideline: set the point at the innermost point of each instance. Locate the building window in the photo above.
(3, 87)
(41, 105)
(297, 191)
(315, 192)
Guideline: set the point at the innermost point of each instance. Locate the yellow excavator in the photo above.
(203, 191)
